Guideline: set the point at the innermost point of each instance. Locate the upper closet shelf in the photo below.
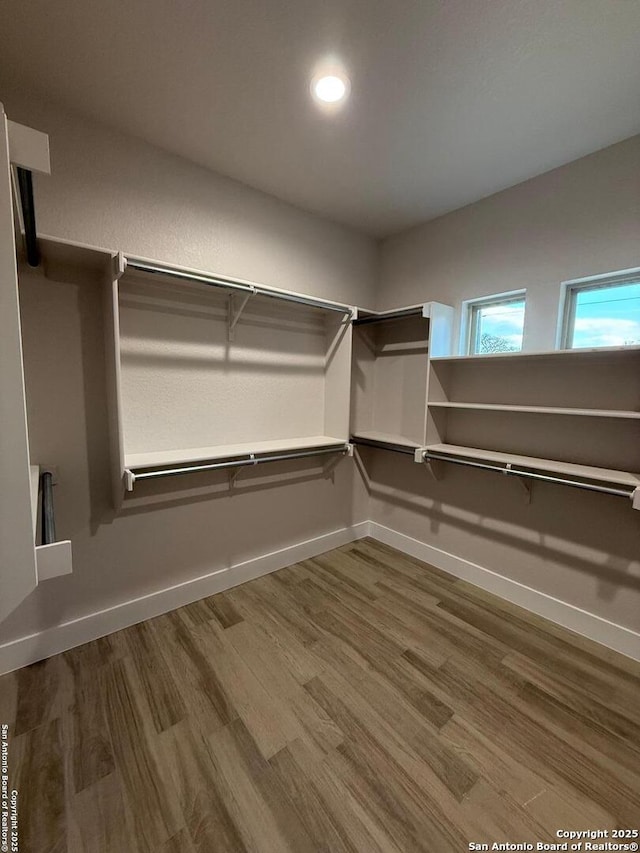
(59, 254)
(60, 257)
(566, 355)
(143, 266)
(543, 410)
(387, 316)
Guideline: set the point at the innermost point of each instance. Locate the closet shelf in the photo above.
(389, 316)
(59, 254)
(552, 466)
(224, 451)
(54, 558)
(543, 410)
(566, 355)
(385, 441)
(153, 268)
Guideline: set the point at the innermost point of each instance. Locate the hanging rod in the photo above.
(48, 520)
(25, 188)
(251, 459)
(384, 318)
(231, 284)
(577, 484)
(383, 445)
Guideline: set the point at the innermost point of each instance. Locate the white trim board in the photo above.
(52, 641)
(35, 647)
(595, 628)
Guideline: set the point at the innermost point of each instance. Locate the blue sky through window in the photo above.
(607, 316)
(498, 327)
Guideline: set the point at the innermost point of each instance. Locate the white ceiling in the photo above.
(451, 100)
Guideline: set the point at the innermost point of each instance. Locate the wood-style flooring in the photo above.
(359, 701)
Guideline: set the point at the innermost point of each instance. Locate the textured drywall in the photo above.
(121, 193)
(116, 191)
(580, 220)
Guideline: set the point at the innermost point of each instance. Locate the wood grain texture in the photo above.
(358, 702)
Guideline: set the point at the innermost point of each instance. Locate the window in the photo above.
(603, 311)
(495, 324)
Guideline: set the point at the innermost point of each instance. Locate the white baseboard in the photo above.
(616, 637)
(52, 641)
(35, 647)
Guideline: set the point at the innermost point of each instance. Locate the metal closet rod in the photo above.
(386, 318)
(48, 519)
(383, 445)
(252, 459)
(230, 284)
(25, 187)
(577, 484)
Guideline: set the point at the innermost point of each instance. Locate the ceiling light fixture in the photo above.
(330, 87)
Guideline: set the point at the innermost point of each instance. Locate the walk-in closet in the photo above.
(319, 426)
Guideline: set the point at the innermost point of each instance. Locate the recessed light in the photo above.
(330, 87)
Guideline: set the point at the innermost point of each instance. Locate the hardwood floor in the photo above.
(359, 701)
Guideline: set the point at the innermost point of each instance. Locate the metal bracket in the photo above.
(235, 313)
(129, 479)
(119, 266)
(332, 462)
(235, 472)
(330, 465)
(635, 498)
(525, 484)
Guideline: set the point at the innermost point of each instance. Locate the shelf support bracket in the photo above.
(526, 486)
(234, 473)
(331, 463)
(635, 498)
(235, 313)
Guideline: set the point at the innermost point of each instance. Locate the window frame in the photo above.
(470, 308)
(568, 291)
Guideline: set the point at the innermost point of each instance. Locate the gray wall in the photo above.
(579, 220)
(117, 192)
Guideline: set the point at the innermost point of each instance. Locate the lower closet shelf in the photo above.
(53, 559)
(143, 466)
(552, 466)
